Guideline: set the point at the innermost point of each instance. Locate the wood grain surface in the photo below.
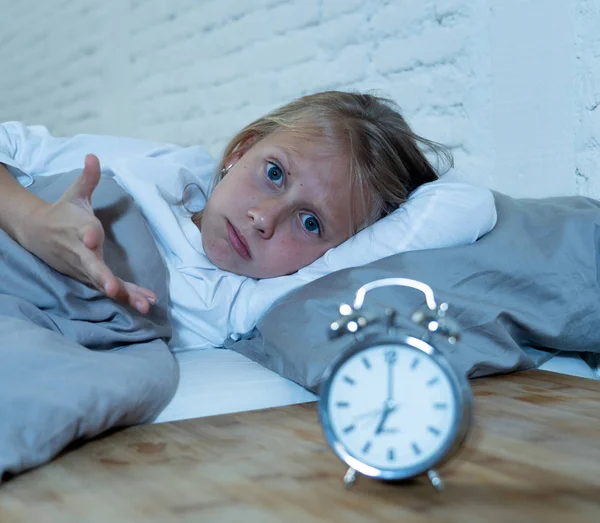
(533, 455)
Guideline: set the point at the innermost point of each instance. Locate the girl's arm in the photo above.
(17, 204)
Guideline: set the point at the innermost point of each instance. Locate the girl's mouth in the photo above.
(238, 242)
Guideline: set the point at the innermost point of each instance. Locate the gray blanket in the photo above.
(74, 363)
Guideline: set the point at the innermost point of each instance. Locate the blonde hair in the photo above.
(385, 160)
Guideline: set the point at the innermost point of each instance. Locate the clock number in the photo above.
(367, 447)
(349, 429)
(390, 356)
(416, 449)
(366, 363)
(433, 381)
(349, 380)
(434, 431)
(391, 454)
(342, 404)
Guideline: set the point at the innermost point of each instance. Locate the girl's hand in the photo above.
(69, 238)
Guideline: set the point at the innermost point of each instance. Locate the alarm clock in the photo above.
(391, 405)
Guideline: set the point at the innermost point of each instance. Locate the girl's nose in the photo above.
(264, 216)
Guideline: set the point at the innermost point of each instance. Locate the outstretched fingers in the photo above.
(99, 275)
(102, 278)
(92, 238)
(137, 297)
(90, 177)
(82, 188)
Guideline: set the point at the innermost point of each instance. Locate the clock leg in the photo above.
(435, 480)
(349, 477)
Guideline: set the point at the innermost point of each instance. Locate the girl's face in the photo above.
(284, 203)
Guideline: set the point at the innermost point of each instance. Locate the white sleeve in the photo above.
(30, 151)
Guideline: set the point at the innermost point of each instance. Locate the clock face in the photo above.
(392, 406)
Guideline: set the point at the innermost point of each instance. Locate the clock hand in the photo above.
(370, 414)
(386, 414)
(384, 417)
(390, 382)
(381, 422)
(390, 396)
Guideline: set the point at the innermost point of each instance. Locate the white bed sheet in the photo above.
(221, 381)
(570, 363)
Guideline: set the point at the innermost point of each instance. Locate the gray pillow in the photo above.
(74, 363)
(529, 287)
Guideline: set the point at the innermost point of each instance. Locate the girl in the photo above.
(290, 187)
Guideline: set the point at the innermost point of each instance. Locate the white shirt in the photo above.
(207, 304)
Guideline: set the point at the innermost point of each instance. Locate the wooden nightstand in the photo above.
(534, 455)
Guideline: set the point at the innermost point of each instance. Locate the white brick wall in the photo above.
(513, 86)
(587, 94)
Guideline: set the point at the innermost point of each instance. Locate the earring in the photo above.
(225, 170)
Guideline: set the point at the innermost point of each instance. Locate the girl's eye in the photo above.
(275, 173)
(310, 223)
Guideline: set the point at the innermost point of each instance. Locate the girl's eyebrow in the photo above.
(288, 155)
